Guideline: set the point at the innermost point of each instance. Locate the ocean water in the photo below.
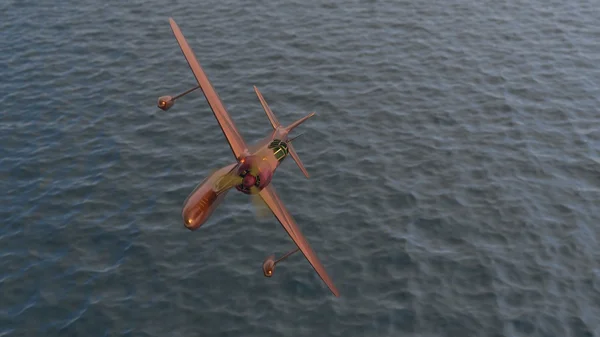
(454, 166)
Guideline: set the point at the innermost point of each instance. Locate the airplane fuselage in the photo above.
(252, 172)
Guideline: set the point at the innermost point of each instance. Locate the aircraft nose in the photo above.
(193, 216)
(249, 180)
(191, 223)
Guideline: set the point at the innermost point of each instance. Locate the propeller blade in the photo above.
(261, 209)
(226, 182)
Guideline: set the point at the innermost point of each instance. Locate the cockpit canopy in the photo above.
(280, 149)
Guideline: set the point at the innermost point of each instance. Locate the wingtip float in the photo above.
(252, 171)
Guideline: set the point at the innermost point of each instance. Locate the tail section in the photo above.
(270, 114)
(275, 124)
(298, 122)
(291, 149)
(297, 159)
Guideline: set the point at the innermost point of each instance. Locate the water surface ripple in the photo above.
(454, 168)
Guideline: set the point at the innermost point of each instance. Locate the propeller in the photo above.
(262, 211)
(233, 179)
(227, 181)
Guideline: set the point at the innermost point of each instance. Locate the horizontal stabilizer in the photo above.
(291, 149)
(294, 155)
(298, 122)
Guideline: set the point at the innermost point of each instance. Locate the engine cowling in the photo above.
(204, 199)
(165, 102)
(269, 266)
(256, 174)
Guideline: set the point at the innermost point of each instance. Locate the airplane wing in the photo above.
(281, 213)
(236, 142)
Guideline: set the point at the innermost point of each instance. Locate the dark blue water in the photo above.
(454, 166)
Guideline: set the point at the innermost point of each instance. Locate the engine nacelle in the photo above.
(204, 199)
(165, 102)
(269, 266)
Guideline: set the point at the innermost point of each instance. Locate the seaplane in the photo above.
(252, 171)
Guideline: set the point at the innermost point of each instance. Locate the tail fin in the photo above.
(275, 124)
(270, 114)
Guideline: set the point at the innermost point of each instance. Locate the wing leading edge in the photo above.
(234, 138)
(281, 213)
